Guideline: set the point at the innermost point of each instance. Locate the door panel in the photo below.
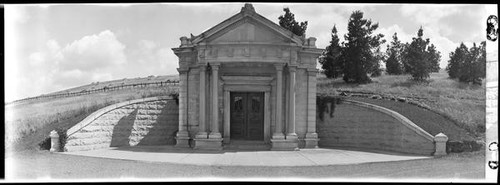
(238, 115)
(247, 116)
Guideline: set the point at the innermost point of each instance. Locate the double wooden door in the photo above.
(247, 116)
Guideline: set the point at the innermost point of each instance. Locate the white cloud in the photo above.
(95, 51)
(428, 14)
(92, 58)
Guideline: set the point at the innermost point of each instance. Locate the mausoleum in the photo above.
(247, 78)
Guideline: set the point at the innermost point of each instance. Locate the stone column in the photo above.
(202, 131)
(182, 136)
(311, 140)
(278, 133)
(215, 134)
(291, 135)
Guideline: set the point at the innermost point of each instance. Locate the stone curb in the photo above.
(89, 119)
(405, 121)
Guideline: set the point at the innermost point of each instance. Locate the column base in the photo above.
(278, 136)
(311, 140)
(311, 143)
(201, 135)
(215, 135)
(284, 145)
(182, 139)
(292, 136)
(208, 144)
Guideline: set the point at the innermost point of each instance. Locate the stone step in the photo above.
(247, 145)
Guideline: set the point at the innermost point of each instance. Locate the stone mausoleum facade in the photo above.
(247, 78)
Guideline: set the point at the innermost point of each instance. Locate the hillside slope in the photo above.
(28, 123)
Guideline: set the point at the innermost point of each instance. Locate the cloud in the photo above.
(98, 57)
(95, 51)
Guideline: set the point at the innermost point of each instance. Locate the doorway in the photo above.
(247, 116)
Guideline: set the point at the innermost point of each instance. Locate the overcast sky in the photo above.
(52, 48)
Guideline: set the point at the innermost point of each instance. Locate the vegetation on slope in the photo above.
(463, 104)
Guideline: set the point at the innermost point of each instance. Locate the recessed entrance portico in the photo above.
(250, 59)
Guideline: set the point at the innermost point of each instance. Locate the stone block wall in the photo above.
(149, 121)
(357, 125)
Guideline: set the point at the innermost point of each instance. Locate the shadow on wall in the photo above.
(162, 130)
(123, 129)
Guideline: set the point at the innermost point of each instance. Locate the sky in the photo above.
(55, 47)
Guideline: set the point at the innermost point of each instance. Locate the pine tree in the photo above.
(434, 57)
(358, 54)
(393, 63)
(288, 21)
(473, 68)
(331, 62)
(457, 59)
(417, 58)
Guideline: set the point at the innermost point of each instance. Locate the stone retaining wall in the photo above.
(148, 121)
(361, 125)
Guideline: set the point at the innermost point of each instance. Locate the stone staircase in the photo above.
(243, 145)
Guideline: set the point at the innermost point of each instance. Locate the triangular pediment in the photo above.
(248, 31)
(247, 26)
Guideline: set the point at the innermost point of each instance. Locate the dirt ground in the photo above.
(43, 165)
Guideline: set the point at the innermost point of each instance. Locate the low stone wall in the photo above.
(148, 121)
(362, 125)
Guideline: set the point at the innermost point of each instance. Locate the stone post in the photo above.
(202, 133)
(311, 139)
(215, 134)
(184, 41)
(291, 135)
(278, 133)
(54, 141)
(440, 143)
(182, 136)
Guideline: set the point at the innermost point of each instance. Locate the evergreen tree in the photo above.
(393, 63)
(331, 62)
(358, 52)
(417, 58)
(404, 59)
(288, 21)
(457, 59)
(473, 67)
(434, 57)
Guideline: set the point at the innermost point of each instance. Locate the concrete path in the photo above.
(304, 157)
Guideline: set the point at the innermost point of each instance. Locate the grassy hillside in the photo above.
(464, 104)
(28, 123)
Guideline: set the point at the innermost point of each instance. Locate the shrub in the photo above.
(322, 102)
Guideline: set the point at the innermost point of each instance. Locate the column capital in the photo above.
(292, 68)
(279, 66)
(183, 70)
(312, 71)
(215, 66)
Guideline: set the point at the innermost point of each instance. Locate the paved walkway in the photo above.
(304, 157)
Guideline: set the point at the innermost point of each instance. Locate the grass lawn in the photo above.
(463, 104)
